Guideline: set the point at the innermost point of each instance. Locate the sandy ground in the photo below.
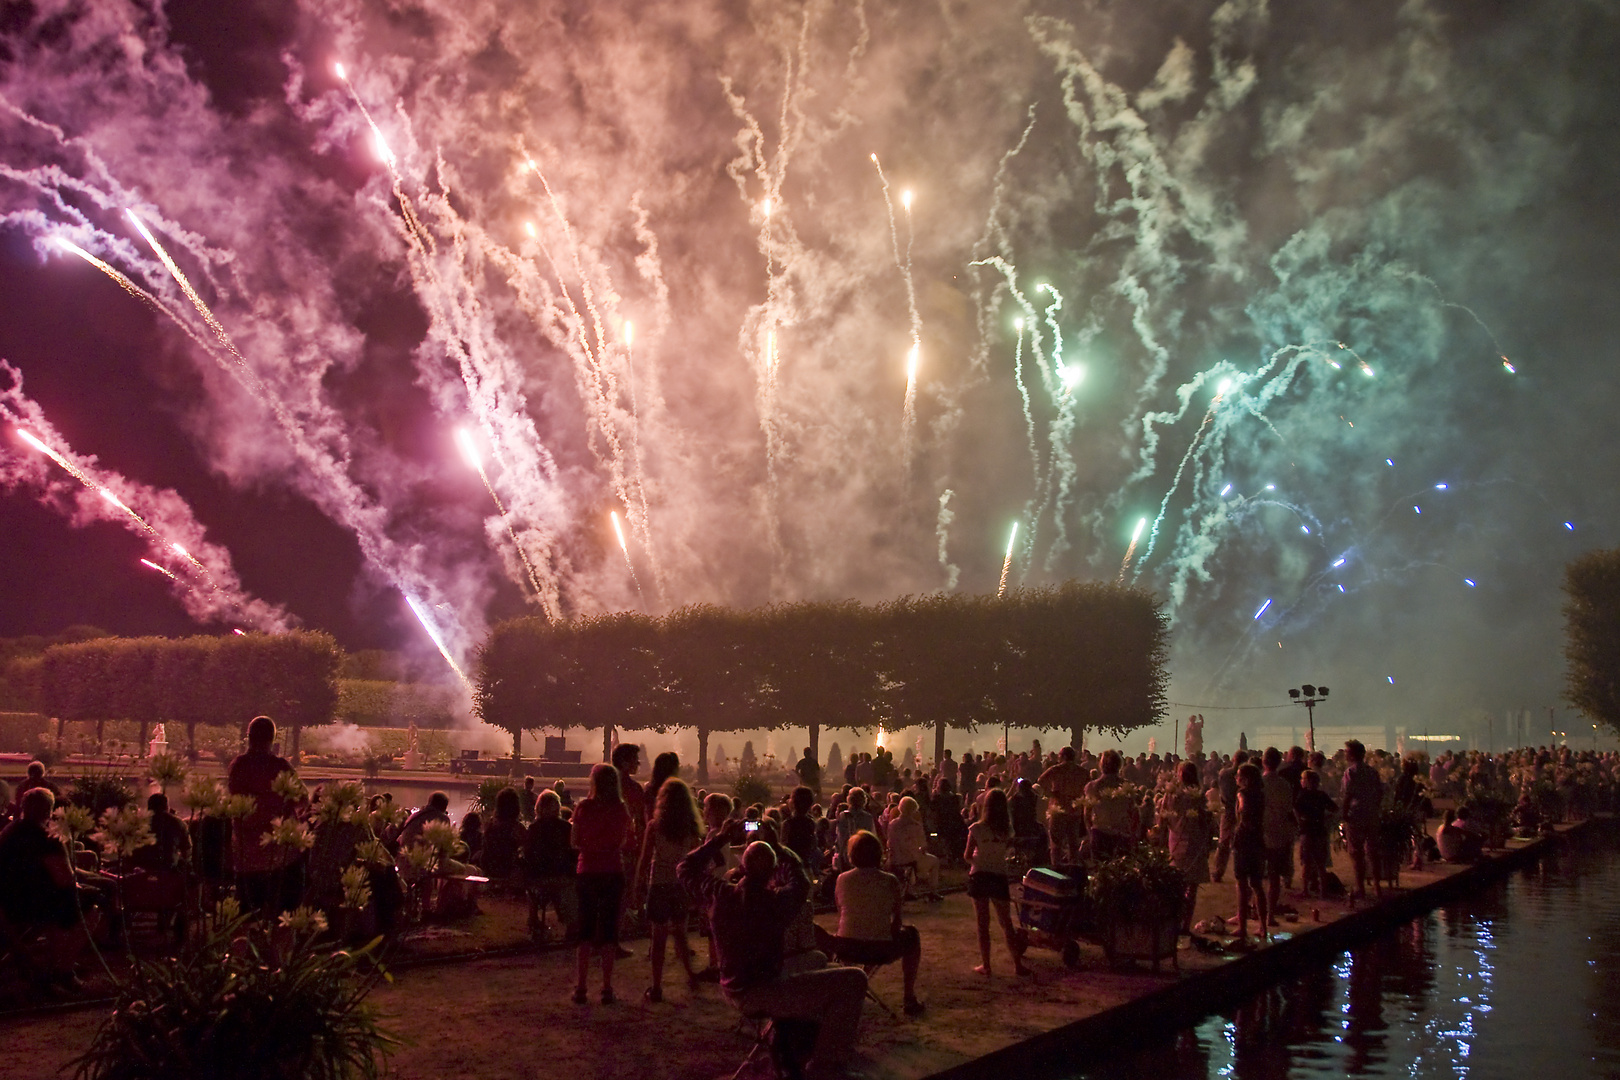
(512, 1017)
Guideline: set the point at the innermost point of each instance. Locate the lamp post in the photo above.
(1309, 696)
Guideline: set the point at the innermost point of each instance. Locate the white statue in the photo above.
(1193, 743)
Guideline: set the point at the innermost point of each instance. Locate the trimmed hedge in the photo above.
(196, 680)
(1074, 656)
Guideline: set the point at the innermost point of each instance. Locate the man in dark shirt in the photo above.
(799, 829)
(749, 920)
(809, 772)
(1226, 784)
(37, 887)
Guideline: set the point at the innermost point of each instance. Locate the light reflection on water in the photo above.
(1522, 981)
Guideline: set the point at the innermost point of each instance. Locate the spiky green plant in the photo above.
(240, 1003)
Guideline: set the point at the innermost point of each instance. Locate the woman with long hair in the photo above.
(673, 831)
(1185, 812)
(601, 830)
(665, 765)
(988, 841)
(1249, 850)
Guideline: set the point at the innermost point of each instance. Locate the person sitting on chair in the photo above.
(908, 847)
(748, 921)
(869, 928)
(37, 889)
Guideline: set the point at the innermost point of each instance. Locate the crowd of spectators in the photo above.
(663, 856)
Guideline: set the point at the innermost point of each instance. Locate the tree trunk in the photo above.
(703, 754)
(298, 730)
(939, 742)
(607, 742)
(100, 742)
(191, 736)
(815, 742)
(141, 742)
(1077, 737)
(517, 748)
(60, 725)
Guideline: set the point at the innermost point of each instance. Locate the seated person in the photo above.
(908, 846)
(36, 779)
(437, 809)
(1457, 840)
(37, 888)
(549, 863)
(170, 848)
(869, 929)
(749, 919)
(852, 821)
(503, 836)
(799, 829)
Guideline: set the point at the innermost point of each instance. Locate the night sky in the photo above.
(1388, 229)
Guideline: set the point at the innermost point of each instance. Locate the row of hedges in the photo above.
(194, 680)
(1070, 657)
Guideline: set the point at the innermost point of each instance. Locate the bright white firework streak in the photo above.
(433, 635)
(1130, 551)
(1006, 564)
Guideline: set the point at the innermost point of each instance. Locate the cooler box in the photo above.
(1050, 887)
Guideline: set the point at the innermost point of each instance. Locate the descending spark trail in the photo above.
(160, 569)
(902, 262)
(438, 642)
(618, 531)
(469, 450)
(1006, 563)
(156, 515)
(1023, 394)
(1175, 483)
(1130, 551)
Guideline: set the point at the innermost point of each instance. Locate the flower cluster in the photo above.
(303, 920)
(356, 883)
(202, 796)
(124, 831)
(237, 806)
(288, 832)
(340, 802)
(70, 822)
(289, 786)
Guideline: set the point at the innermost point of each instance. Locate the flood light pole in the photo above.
(1309, 696)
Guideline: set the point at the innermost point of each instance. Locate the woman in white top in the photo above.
(908, 846)
(869, 927)
(988, 843)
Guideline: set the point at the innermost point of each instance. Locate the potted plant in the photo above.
(1136, 901)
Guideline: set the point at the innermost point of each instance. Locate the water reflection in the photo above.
(1522, 979)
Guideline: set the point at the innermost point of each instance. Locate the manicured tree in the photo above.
(290, 677)
(1592, 636)
(185, 685)
(525, 677)
(1083, 655)
(708, 661)
(131, 676)
(76, 684)
(937, 656)
(817, 667)
(617, 675)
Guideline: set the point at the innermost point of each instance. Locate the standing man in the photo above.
(1281, 826)
(1361, 797)
(1064, 784)
(270, 875)
(809, 772)
(947, 768)
(1226, 784)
